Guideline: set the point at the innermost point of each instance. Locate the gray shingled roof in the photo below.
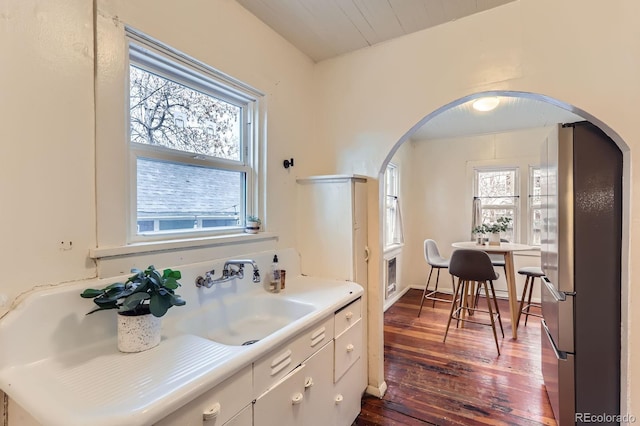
(168, 188)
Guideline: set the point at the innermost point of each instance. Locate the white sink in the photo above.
(244, 321)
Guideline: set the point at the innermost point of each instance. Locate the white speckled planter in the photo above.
(137, 333)
(252, 228)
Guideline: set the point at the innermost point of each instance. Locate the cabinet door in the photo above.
(217, 406)
(282, 405)
(347, 395)
(318, 392)
(244, 418)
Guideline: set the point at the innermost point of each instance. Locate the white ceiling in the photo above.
(326, 28)
(513, 113)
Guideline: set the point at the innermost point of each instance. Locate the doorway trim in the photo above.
(626, 216)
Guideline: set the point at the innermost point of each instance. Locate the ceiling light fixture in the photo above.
(486, 104)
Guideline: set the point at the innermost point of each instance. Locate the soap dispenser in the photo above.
(274, 284)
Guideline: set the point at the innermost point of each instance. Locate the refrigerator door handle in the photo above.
(559, 354)
(557, 295)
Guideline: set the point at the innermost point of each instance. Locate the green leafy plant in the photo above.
(255, 219)
(500, 225)
(144, 292)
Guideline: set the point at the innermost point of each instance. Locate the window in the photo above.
(535, 206)
(497, 190)
(393, 219)
(191, 132)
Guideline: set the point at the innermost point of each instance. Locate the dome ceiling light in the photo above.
(486, 104)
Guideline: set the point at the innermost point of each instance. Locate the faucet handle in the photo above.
(206, 280)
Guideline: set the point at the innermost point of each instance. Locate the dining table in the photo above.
(506, 249)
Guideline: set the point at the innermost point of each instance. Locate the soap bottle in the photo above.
(274, 284)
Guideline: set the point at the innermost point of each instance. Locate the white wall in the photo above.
(48, 142)
(581, 53)
(439, 187)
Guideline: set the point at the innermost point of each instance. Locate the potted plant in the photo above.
(480, 232)
(493, 229)
(141, 301)
(252, 224)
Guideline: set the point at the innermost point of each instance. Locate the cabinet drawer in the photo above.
(347, 396)
(347, 316)
(348, 348)
(220, 403)
(274, 366)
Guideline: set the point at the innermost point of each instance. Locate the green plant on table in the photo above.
(500, 225)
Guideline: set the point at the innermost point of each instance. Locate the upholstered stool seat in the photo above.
(435, 261)
(471, 266)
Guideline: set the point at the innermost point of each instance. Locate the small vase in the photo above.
(137, 333)
(494, 239)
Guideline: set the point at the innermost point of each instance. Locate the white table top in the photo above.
(502, 248)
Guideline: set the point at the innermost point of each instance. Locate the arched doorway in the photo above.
(561, 107)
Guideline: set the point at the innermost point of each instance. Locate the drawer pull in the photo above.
(318, 332)
(308, 382)
(349, 315)
(350, 347)
(338, 399)
(280, 358)
(297, 399)
(212, 412)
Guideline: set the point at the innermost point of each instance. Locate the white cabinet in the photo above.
(302, 398)
(332, 227)
(324, 388)
(218, 406)
(269, 369)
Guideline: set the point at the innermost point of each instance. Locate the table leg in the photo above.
(511, 288)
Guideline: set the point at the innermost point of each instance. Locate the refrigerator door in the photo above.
(558, 371)
(558, 312)
(557, 188)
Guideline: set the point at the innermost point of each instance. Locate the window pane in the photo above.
(169, 114)
(173, 196)
(496, 184)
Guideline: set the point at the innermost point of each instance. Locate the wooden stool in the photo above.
(531, 273)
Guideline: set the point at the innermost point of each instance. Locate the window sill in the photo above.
(162, 246)
(392, 250)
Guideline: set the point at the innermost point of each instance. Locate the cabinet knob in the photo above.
(349, 315)
(212, 412)
(338, 399)
(308, 382)
(297, 399)
(350, 347)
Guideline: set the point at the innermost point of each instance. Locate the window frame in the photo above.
(390, 216)
(168, 63)
(531, 207)
(516, 196)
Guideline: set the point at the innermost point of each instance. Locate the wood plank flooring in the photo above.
(462, 381)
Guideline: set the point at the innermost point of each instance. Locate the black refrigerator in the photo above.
(581, 179)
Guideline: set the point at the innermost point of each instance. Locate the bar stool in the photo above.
(433, 258)
(531, 273)
(473, 266)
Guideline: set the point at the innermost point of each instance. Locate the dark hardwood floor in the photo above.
(462, 381)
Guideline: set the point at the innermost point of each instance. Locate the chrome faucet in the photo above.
(231, 269)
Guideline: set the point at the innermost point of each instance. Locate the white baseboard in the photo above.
(389, 302)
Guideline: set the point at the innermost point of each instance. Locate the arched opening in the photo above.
(562, 109)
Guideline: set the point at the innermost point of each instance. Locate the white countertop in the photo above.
(99, 386)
